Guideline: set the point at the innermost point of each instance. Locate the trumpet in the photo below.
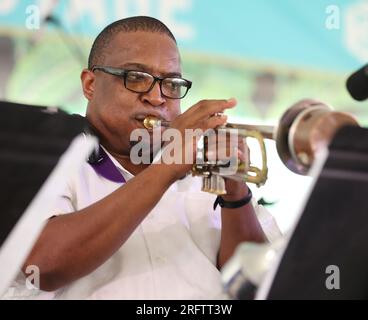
(302, 130)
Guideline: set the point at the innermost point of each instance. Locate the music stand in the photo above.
(330, 238)
(40, 147)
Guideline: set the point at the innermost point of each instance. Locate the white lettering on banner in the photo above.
(98, 12)
(356, 30)
(7, 5)
(122, 8)
(333, 18)
(96, 9)
(143, 7)
(33, 17)
(167, 11)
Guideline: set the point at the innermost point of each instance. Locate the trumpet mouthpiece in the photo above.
(151, 122)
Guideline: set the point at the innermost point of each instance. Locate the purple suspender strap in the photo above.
(104, 167)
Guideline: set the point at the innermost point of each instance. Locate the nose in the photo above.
(154, 96)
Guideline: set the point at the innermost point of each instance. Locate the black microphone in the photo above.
(357, 84)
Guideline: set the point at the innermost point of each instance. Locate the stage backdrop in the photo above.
(268, 54)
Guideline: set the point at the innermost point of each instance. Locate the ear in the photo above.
(88, 83)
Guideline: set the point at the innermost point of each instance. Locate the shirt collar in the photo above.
(126, 174)
(108, 167)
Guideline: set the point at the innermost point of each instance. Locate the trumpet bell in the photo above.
(303, 129)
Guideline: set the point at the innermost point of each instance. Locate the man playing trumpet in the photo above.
(142, 231)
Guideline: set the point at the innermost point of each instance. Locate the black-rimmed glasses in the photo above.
(143, 82)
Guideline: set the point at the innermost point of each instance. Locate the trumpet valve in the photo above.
(214, 184)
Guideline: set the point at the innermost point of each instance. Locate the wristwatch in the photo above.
(233, 204)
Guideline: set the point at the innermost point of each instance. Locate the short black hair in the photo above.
(131, 24)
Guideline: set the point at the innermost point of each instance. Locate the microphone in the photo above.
(357, 84)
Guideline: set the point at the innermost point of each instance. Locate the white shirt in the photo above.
(171, 255)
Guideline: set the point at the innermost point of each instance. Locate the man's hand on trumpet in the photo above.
(231, 149)
(202, 120)
(190, 126)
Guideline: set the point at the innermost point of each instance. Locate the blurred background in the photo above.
(267, 54)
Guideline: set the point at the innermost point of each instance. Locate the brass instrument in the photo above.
(302, 130)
